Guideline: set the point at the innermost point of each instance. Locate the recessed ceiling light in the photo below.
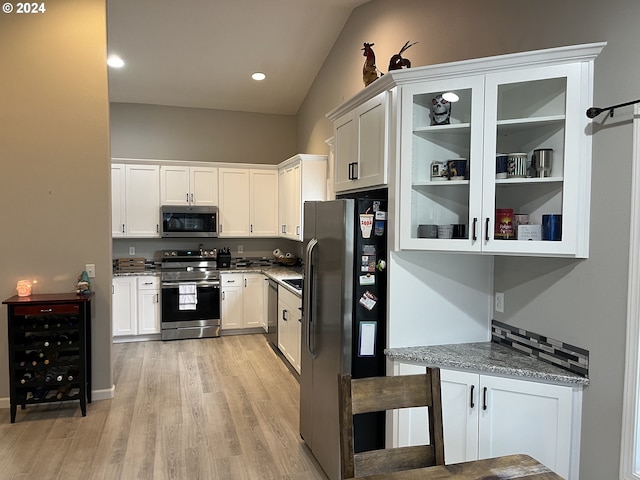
(115, 61)
(258, 76)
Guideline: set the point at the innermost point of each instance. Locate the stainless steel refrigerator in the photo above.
(344, 318)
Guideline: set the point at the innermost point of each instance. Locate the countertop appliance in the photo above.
(190, 283)
(189, 221)
(344, 319)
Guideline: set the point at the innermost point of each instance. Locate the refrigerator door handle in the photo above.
(309, 339)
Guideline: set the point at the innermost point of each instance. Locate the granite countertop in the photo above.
(487, 357)
(129, 274)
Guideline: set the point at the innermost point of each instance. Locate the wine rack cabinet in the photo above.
(49, 349)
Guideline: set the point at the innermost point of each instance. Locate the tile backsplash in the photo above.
(550, 350)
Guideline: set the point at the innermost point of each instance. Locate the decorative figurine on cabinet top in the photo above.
(397, 62)
(369, 69)
(441, 111)
(83, 287)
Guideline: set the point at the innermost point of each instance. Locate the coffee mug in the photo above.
(502, 162)
(439, 171)
(457, 168)
(445, 231)
(517, 165)
(427, 231)
(552, 227)
(459, 230)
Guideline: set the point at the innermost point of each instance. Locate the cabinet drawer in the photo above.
(148, 282)
(63, 308)
(231, 280)
(289, 298)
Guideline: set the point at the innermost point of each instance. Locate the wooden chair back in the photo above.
(377, 394)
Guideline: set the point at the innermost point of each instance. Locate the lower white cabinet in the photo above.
(487, 416)
(148, 305)
(136, 306)
(290, 326)
(243, 299)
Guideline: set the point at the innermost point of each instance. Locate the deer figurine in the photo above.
(369, 69)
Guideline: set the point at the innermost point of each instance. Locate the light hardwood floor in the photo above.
(221, 408)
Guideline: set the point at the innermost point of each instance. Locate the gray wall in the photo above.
(54, 149)
(199, 134)
(580, 302)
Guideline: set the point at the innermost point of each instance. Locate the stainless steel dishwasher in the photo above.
(272, 318)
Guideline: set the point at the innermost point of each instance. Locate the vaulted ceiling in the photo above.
(201, 53)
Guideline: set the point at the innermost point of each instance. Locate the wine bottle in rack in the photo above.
(62, 390)
(26, 377)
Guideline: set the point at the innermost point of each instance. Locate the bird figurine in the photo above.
(397, 62)
(369, 69)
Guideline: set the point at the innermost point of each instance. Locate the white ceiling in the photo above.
(201, 53)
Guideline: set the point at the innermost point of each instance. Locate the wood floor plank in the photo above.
(220, 408)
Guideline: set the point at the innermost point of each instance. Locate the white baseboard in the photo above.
(104, 394)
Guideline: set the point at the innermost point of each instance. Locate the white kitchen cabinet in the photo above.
(136, 307)
(118, 200)
(148, 305)
(135, 194)
(508, 104)
(290, 326)
(188, 185)
(263, 203)
(242, 305)
(248, 202)
(301, 178)
(361, 143)
(124, 305)
(488, 416)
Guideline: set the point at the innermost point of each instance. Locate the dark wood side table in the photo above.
(49, 349)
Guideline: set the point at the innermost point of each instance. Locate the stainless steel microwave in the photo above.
(188, 222)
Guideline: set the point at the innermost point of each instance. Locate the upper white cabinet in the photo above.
(135, 194)
(301, 178)
(360, 136)
(263, 203)
(248, 202)
(188, 185)
(520, 103)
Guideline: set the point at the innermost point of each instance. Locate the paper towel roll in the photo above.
(277, 253)
(288, 255)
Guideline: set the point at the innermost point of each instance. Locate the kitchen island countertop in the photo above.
(489, 357)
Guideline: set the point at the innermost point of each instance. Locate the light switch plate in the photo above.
(90, 268)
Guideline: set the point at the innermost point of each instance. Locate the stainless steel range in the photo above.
(190, 294)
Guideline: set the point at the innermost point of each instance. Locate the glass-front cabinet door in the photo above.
(534, 122)
(497, 163)
(441, 164)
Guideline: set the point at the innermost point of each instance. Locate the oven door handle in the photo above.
(198, 284)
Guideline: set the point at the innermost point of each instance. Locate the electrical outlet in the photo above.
(90, 268)
(240, 249)
(499, 305)
(132, 250)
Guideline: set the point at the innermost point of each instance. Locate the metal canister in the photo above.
(541, 161)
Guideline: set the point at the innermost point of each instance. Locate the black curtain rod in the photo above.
(595, 111)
